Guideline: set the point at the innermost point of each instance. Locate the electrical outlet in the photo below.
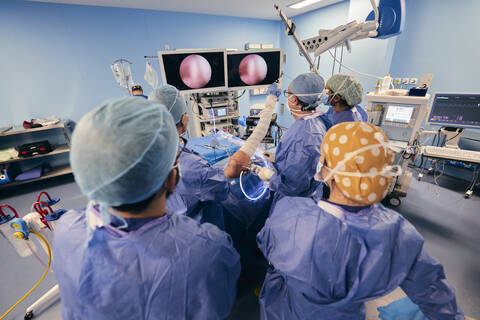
(413, 81)
(405, 80)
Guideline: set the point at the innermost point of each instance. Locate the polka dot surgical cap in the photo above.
(359, 149)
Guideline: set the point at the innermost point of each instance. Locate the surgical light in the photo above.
(302, 4)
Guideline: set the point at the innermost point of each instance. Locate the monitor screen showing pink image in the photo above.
(253, 68)
(194, 71)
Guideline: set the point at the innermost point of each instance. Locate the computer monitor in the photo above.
(459, 110)
(194, 71)
(253, 69)
(399, 114)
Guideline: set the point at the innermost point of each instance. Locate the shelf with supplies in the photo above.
(56, 150)
(15, 130)
(55, 172)
(32, 155)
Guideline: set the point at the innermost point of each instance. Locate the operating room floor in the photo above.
(449, 223)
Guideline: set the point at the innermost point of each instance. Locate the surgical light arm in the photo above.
(290, 30)
(386, 20)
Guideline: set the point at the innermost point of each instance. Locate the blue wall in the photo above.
(441, 37)
(55, 58)
(307, 26)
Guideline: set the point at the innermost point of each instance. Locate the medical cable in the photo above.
(453, 137)
(341, 61)
(241, 95)
(334, 60)
(39, 281)
(471, 139)
(355, 71)
(245, 193)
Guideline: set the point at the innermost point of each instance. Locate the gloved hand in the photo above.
(274, 90)
(263, 173)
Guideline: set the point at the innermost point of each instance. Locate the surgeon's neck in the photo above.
(337, 197)
(157, 208)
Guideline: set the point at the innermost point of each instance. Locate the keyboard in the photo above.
(452, 154)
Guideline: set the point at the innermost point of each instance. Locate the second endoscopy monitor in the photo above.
(194, 71)
(253, 69)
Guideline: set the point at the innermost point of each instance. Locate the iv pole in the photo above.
(122, 62)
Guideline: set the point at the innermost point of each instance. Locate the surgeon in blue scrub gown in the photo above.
(327, 258)
(201, 186)
(126, 256)
(344, 94)
(297, 154)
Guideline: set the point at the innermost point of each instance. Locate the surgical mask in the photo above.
(324, 99)
(302, 113)
(387, 171)
(293, 112)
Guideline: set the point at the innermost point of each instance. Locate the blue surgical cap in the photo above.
(170, 97)
(308, 83)
(123, 150)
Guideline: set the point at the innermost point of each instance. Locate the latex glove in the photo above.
(263, 173)
(269, 156)
(274, 90)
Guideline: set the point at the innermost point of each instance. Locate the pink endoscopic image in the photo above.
(195, 71)
(252, 69)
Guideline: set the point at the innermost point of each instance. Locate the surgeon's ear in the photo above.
(172, 180)
(294, 100)
(185, 120)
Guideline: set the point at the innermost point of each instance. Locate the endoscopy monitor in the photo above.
(194, 71)
(460, 110)
(253, 69)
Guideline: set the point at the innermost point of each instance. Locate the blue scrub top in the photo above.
(355, 114)
(169, 268)
(297, 155)
(325, 263)
(200, 188)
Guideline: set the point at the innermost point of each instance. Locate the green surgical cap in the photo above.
(347, 87)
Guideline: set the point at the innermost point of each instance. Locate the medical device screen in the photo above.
(455, 110)
(252, 69)
(401, 114)
(221, 112)
(196, 71)
(217, 112)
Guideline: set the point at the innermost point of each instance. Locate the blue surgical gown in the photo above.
(297, 155)
(170, 268)
(325, 265)
(200, 188)
(356, 113)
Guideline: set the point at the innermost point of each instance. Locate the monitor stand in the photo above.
(453, 136)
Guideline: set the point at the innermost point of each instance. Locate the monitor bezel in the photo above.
(193, 51)
(254, 51)
(449, 124)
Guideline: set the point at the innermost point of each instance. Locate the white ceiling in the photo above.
(262, 9)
